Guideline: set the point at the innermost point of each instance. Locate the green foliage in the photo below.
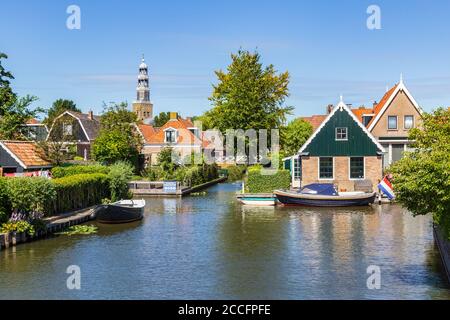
(161, 119)
(196, 175)
(165, 160)
(294, 135)
(18, 226)
(80, 191)
(79, 230)
(118, 139)
(60, 172)
(248, 96)
(5, 204)
(119, 175)
(7, 96)
(259, 183)
(31, 194)
(421, 179)
(235, 173)
(58, 108)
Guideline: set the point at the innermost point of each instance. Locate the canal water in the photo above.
(211, 247)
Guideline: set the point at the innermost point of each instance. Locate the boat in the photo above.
(255, 200)
(324, 195)
(123, 211)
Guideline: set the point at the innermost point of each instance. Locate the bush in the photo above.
(18, 226)
(60, 172)
(5, 205)
(258, 183)
(119, 175)
(80, 191)
(31, 194)
(235, 173)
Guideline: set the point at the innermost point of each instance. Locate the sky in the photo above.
(325, 45)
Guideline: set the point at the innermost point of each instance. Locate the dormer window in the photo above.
(341, 134)
(170, 136)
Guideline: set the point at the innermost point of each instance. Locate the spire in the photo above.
(143, 90)
(341, 102)
(401, 78)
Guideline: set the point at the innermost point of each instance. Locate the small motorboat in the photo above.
(258, 200)
(324, 195)
(123, 211)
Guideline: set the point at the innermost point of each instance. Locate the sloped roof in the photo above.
(90, 126)
(26, 153)
(383, 102)
(315, 120)
(359, 112)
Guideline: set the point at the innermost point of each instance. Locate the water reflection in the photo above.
(211, 247)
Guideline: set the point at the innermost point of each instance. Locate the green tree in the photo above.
(118, 139)
(119, 175)
(294, 135)
(421, 179)
(14, 111)
(161, 119)
(248, 95)
(165, 160)
(58, 107)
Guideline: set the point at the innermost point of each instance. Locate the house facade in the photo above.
(179, 134)
(21, 158)
(76, 129)
(341, 151)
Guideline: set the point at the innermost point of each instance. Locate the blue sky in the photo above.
(325, 45)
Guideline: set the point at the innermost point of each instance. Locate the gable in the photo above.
(78, 132)
(359, 142)
(400, 106)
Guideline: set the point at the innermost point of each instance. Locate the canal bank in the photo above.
(444, 248)
(211, 247)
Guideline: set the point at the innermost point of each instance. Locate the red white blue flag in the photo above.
(386, 187)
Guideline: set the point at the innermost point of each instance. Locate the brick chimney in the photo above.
(91, 115)
(329, 108)
(374, 104)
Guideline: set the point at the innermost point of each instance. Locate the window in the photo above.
(326, 168)
(297, 168)
(170, 136)
(341, 134)
(366, 119)
(409, 122)
(392, 122)
(67, 129)
(357, 168)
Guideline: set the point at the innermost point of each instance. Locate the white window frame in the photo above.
(318, 170)
(175, 131)
(404, 121)
(336, 134)
(396, 123)
(65, 127)
(350, 172)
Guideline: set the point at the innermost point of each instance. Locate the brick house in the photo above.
(340, 151)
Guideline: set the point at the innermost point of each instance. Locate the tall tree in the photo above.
(118, 139)
(248, 95)
(421, 179)
(14, 111)
(161, 119)
(58, 107)
(294, 135)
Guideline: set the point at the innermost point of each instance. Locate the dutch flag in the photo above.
(386, 187)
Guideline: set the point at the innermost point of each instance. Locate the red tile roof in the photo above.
(382, 102)
(359, 112)
(315, 120)
(27, 152)
(33, 121)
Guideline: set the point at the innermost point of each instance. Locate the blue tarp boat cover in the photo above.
(325, 189)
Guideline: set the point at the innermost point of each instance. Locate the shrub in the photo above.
(18, 226)
(5, 205)
(259, 183)
(60, 172)
(31, 194)
(235, 173)
(119, 175)
(80, 191)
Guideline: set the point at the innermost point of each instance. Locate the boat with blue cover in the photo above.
(324, 195)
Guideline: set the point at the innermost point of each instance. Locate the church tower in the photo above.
(142, 106)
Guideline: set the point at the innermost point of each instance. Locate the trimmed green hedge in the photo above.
(5, 204)
(258, 183)
(235, 173)
(80, 191)
(60, 172)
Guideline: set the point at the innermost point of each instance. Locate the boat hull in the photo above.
(258, 201)
(297, 199)
(113, 214)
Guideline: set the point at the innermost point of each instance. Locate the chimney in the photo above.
(374, 104)
(330, 108)
(91, 115)
(173, 115)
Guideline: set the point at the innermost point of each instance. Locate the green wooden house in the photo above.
(340, 151)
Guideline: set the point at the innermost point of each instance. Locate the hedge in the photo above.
(259, 183)
(60, 172)
(5, 205)
(80, 191)
(235, 172)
